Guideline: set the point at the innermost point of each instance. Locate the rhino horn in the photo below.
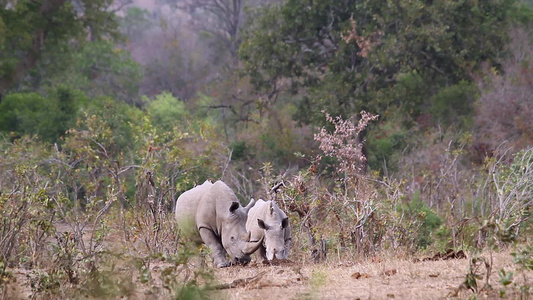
(251, 247)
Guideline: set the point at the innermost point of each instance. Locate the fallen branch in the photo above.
(239, 282)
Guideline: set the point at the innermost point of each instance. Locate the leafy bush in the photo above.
(67, 212)
(386, 145)
(19, 113)
(165, 110)
(454, 104)
(98, 68)
(26, 207)
(239, 150)
(421, 220)
(509, 191)
(514, 286)
(48, 117)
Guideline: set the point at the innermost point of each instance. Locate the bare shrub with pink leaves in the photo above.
(345, 143)
(339, 210)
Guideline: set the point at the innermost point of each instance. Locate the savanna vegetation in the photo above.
(379, 126)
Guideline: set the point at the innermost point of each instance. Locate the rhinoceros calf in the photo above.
(267, 222)
(211, 213)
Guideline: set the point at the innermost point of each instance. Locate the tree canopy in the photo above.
(351, 55)
(416, 63)
(33, 31)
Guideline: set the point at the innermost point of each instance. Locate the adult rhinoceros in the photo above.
(211, 213)
(267, 222)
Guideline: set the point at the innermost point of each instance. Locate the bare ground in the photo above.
(378, 278)
(382, 277)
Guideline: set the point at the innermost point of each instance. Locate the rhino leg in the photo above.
(218, 252)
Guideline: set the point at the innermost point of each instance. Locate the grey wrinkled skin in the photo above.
(210, 213)
(267, 222)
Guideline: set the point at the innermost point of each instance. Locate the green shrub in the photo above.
(166, 111)
(386, 142)
(117, 117)
(240, 150)
(454, 104)
(48, 116)
(423, 220)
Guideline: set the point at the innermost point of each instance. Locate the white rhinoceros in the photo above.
(267, 222)
(211, 213)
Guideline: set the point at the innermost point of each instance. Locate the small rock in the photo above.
(358, 275)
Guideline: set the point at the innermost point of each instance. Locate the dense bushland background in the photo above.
(401, 126)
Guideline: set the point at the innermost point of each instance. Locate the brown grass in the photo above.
(377, 278)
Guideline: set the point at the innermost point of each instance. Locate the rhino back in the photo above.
(187, 207)
(214, 208)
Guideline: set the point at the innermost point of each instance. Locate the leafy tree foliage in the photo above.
(165, 110)
(135, 23)
(29, 29)
(114, 121)
(411, 62)
(49, 116)
(350, 55)
(98, 68)
(454, 104)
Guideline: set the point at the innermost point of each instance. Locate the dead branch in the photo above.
(275, 188)
(239, 282)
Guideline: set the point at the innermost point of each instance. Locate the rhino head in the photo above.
(234, 237)
(274, 225)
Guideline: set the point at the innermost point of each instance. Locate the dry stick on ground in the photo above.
(239, 282)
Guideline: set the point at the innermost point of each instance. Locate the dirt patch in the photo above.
(385, 278)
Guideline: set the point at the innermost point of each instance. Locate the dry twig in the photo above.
(239, 282)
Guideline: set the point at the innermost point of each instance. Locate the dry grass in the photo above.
(377, 278)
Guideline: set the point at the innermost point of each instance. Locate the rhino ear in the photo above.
(250, 205)
(262, 224)
(234, 206)
(285, 222)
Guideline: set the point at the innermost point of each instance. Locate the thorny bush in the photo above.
(73, 213)
(447, 205)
